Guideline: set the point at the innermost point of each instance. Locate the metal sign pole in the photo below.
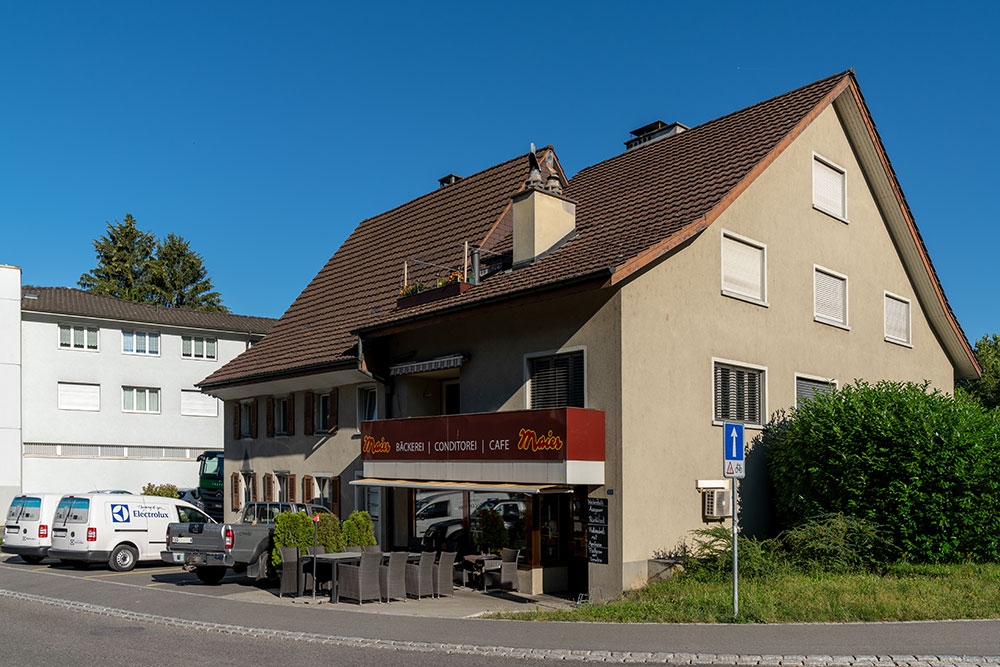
(736, 519)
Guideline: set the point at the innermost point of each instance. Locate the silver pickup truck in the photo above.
(210, 549)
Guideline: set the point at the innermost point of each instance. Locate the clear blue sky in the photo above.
(263, 132)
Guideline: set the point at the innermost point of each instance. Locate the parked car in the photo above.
(438, 507)
(27, 532)
(118, 529)
(245, 546)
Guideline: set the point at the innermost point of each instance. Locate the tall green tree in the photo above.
(124, 256)
(133, 265)
(987, 388)
(180, 278)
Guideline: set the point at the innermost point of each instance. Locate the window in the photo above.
(196, 404)
(367, 404)
(829, 297)
(281, 416)
(321, 411)
(140, 399)
(743, 268)
(739, 395)
(248, 418)
(829, 188)
(193, 347)
(897, 319)
(76, 396)
(556, 381)
(140, 342)
(77, 337)
(807, 388)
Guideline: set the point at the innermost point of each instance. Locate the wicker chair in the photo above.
(373, 548)
(504, 571)
(291, 580)
(444, 574)
(360, 582)
(392, 577)
(420, 577)
(324, 571)
(354, 549)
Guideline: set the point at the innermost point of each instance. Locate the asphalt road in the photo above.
(43, 635)
(168, 592)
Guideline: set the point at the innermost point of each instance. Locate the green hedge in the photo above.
(295, 529)
(923, 465)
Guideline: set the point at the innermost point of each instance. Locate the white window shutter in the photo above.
(831, 297)
(196, 404)
(897, 319)
(73, 396)
(828, 188)
(742, 268)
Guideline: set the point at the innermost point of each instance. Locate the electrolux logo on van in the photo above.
(119, 514)
(150, 512)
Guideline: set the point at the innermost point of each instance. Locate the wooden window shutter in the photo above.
(236, 420)
(253, 418)
(270, 417)
(234, 487)
(253, 487)
(307, 489)
(268, 487)
(308, 426)
(290, 415)
(334, 410)
(291, 488)
(335, 495)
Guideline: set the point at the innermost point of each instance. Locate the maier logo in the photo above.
(531, 441)
(370, 446)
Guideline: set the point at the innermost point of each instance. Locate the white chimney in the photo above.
(542, 216)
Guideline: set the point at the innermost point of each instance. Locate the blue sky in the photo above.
(263, 132)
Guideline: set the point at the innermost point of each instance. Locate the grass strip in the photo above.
(902, 593)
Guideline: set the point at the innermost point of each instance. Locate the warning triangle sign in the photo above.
(729, 467)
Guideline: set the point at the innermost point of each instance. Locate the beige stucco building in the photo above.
(705, 275)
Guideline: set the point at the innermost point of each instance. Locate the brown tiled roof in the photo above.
(631, 209)
(70, 301)
(659, 192)
(364, 275)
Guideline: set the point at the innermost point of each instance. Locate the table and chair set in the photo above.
(368, 573)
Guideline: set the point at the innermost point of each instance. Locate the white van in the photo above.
(116, 529)
(29, 520)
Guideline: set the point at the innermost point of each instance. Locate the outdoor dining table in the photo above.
(478, 564)
(334, 559)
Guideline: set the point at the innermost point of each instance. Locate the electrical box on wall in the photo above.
(716, 504)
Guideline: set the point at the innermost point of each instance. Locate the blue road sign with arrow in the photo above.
(734, 457)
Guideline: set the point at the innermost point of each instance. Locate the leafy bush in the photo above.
(836, 543)
(295, 529)
(358, 530)
(492, 531)
(712, 555)
(162, 490)
(923, 465)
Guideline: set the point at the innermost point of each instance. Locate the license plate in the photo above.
(183, 540)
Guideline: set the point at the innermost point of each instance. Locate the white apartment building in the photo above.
(107, 389)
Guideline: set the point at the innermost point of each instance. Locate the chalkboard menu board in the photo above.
(597, 530)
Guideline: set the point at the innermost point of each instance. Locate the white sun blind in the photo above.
(897, 319)
(742, 268)
(828, 188)
(196, 404)
(831, 297)
(75, 396)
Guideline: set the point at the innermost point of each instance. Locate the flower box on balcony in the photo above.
(443, 292)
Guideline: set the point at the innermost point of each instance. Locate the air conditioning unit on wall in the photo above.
(716, 504)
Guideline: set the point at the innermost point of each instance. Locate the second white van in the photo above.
(27, 531)
(119, 530)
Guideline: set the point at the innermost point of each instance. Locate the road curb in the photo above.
(513, 652)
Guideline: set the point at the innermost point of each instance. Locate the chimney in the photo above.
(449, 179)
(543, 217)
(653, 132)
